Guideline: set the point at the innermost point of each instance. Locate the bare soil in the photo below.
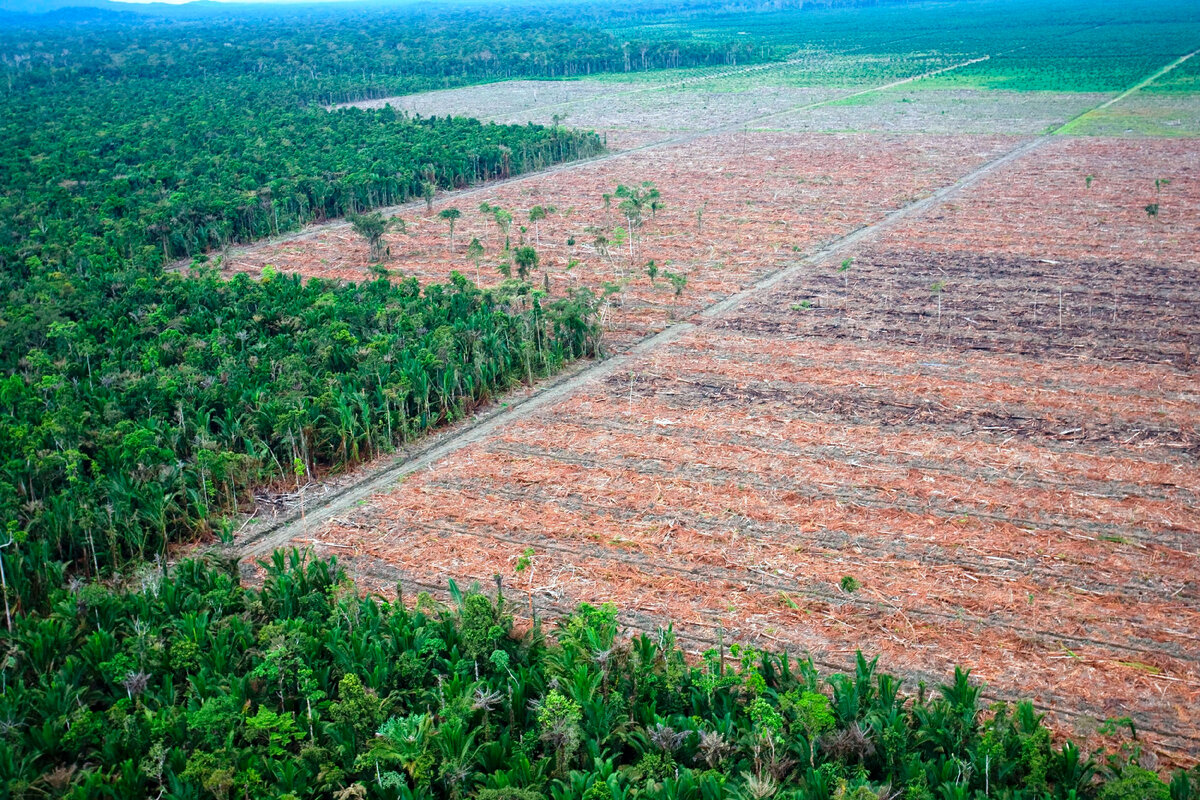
(987, 416)
(1044, 207)
(763, 199)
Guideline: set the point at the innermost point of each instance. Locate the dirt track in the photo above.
(1000, 446)
(269, 539)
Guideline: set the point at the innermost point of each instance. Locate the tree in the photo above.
(475, 252)
(12, 533)
(845, 270)
(536, 215)
(634, 202)
(371, 227)
(451, 215)
(428, 190)
(601, 244)
(937, 289)
(677, 281)
(485, 208)
(503, 220)
(526, 259)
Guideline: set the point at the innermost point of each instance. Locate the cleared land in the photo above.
(917, 109)
(985, 413)
(761, 199)
(1047, 207)
(646, 107)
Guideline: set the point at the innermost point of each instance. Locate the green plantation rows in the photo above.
(1072, 45)
(1184, 79)
(195, 687)
(140, 407)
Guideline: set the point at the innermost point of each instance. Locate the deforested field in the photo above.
(601, 401)
(957, 426)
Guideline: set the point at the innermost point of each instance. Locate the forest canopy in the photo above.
(195, 686)
(138, 404)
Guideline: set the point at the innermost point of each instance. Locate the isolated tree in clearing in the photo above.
(536, 215)
(526, 259)
(371, 227)
(451, 215)
(503, 220)
(635, 201)
(475, 253)
(485, 208)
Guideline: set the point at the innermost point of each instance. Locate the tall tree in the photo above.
(451, 216)
(372, 227)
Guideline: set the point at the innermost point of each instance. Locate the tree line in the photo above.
(141, 408)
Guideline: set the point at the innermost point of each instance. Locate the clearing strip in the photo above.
(272, 537)
(490, 186)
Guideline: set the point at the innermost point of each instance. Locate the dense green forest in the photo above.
(193, 686)
(141, 404)
(137, 406)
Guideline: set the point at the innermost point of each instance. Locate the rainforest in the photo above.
(592, 401)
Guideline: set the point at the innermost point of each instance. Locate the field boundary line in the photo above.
(294, 525)
(340, 223)
(1066, 127)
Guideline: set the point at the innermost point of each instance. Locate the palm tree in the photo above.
(3, 579)
(526, 259)
(372, 227)
(485, 208)
(475, 252)
(427, 192)
(634, 201)
(503, 220)
(536, 215)
(450, 215)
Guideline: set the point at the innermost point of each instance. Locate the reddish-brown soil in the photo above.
(1043, 207)
(765, 199)
(988, 418)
